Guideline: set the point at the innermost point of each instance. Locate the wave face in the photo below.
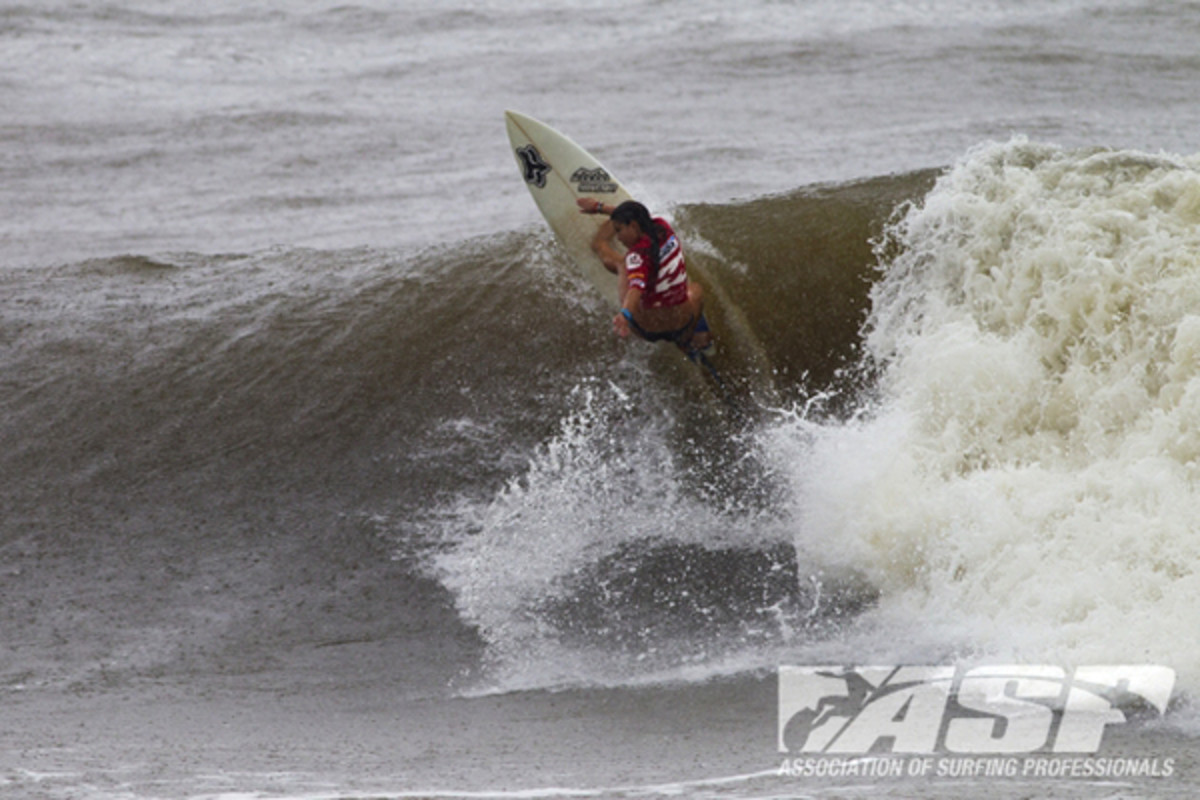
(245, 462)
(978, 442)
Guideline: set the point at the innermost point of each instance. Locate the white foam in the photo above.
(672, 789)
(1025, 484)
(600, 482)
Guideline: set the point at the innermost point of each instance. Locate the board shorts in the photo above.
(680, 338)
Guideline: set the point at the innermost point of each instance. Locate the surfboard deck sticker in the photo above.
(558, 172)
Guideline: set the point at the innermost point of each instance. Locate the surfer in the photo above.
(658, 302)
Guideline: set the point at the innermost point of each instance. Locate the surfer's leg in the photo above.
(683, 325)
(701, 337)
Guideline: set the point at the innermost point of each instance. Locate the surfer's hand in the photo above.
(621, 326)
(589, 205)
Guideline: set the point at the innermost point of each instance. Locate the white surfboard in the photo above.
(558, 172)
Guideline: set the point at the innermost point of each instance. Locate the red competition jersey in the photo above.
(670, 286)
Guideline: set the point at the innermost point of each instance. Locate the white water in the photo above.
(1025, 485)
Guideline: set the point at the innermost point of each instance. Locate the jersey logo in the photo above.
(533, 165)
(668, 247)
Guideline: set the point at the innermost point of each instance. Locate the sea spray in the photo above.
(600, 481)
(606, 562)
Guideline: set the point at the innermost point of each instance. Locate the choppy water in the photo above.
(290, 365)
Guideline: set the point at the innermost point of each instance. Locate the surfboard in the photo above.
(559, 172)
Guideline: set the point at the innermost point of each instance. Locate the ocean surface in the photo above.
(323, 475)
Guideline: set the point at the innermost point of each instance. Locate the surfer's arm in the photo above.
(590, 205)
(602, 246)
(631, 303)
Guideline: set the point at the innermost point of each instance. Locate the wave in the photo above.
(1005, 470)
(976, 441)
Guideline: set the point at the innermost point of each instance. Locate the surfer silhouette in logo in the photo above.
(658, 302)
(828, 708)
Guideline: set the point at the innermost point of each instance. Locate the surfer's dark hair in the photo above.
(633, 211)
